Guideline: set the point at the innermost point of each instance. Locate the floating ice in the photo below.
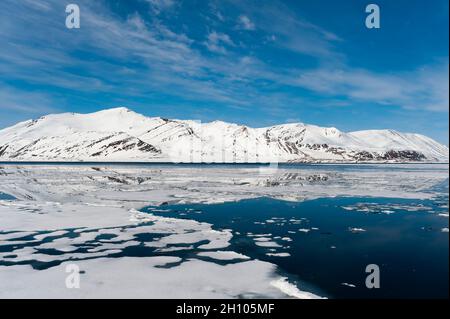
(356, 230)
(292, 290)
(278, 254)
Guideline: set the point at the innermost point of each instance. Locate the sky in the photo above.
(252, 62)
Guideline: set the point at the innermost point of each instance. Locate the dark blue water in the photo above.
(4, 196)
(408, 246)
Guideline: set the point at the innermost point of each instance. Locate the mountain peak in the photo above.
(119, 109)
(218, 139)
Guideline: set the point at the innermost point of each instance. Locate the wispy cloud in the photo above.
(425, 88)
(161, 5)
(245, 23)
(216, 42)
(26, 102)
(292, 32)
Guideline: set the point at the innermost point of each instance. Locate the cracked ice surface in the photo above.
(89, 216)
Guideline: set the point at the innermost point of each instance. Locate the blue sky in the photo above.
(252, 62)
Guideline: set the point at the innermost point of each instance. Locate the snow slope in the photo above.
(123, 135)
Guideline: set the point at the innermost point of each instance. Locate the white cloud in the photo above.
(292, 31)
(245, 23)
(161, 5)
(425, 88)
(38, 4)
(216, 42)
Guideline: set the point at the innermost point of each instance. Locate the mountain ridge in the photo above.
(120, 134)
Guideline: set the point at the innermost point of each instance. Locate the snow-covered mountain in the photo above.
(123, 135)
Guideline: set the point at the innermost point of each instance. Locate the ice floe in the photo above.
(356, 230)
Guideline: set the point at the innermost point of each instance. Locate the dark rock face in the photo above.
(127, 144)
(364, 156)
(24, 149)
(3, 150)
(411, 156)
(147, 147)
(404, 155)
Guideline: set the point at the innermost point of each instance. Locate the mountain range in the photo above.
(122, 135)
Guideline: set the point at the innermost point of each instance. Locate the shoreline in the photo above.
(139, 163)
